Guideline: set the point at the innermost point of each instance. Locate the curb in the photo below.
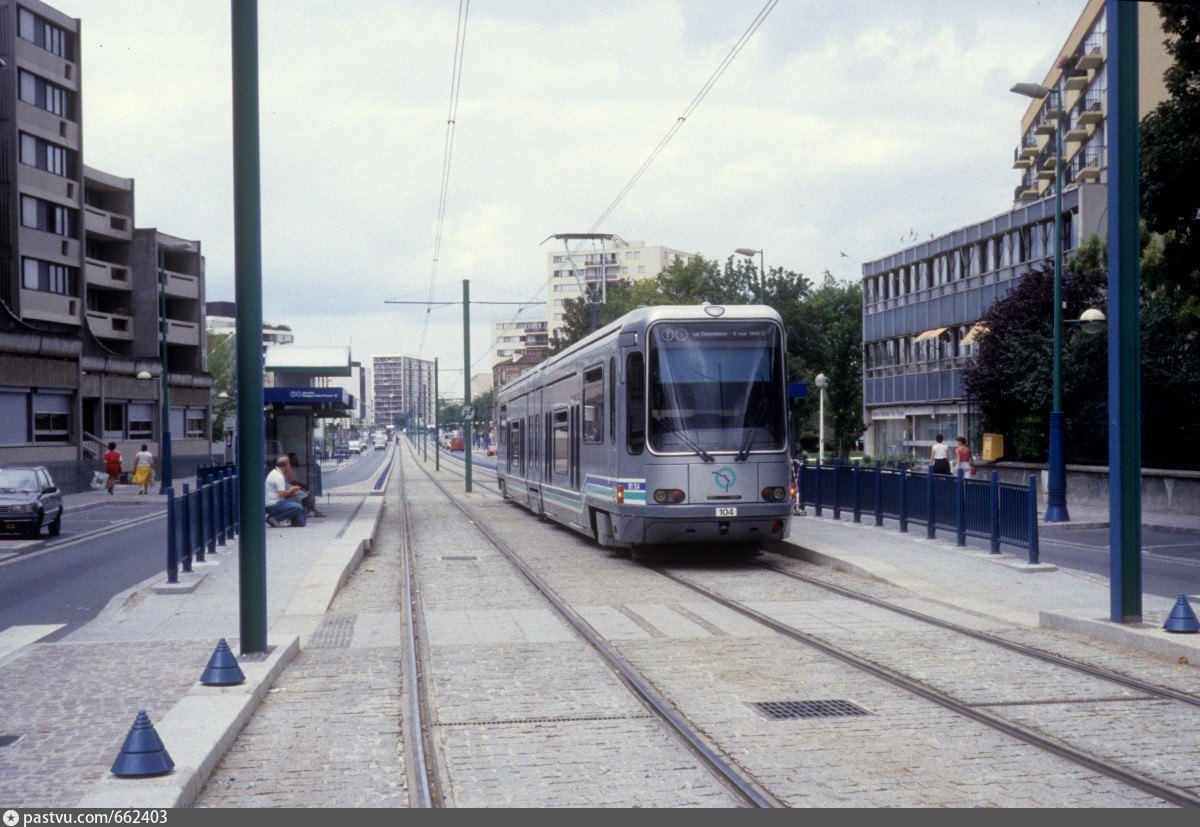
(1144, 636)
(197, 732)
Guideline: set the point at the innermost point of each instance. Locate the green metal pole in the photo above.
(437, 420)
(467, 376)
(247, 220)
(1056, 487)
(164, 431)
(1124, 356)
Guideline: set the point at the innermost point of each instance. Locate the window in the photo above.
(177, 419)
(47, 156)
(114, 419)
(141, 420)
(562, 442)
(43, 94)
(49, 278)
(43, 33)
(196, 418)
(51, 417)
(49, 217)
(642, 268)
(513, 454)
(635, 403)
(14, 418)
(593, 406)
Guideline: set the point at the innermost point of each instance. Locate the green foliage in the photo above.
(222, 364)
(449, 415)
(823, 327)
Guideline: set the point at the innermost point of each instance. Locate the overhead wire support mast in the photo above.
(592, 301)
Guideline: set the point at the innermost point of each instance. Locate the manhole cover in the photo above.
(462, 557)
(781, 710)
(8, 740)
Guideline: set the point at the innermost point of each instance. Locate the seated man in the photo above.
(306, 496)
(283, 501)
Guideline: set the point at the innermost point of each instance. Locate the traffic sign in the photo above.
(468, 412)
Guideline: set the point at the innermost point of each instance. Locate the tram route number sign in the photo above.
(468, 412)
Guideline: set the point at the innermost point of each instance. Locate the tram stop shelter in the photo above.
(296, 394)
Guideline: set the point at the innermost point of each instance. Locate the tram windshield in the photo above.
(716, 386)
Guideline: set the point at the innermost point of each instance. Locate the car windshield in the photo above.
(716, 386)
(18, 479)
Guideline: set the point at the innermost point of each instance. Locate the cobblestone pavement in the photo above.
(72, 727)
(328, 734)
(526, 714)
(712, 663)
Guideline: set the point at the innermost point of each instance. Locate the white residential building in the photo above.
(621, 260)
(514, 336)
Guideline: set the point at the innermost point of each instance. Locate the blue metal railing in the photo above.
(1001, 512)
(201, 519)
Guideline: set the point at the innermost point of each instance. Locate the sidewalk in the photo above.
(1003, 586)
(72, 702)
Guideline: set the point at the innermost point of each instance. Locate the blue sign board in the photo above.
(797, 390)
(306, 396)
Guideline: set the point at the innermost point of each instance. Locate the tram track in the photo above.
(736, 778)
(1095, 763)
(423, 774)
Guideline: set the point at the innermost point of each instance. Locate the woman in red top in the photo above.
(963, 455)
(112, 464)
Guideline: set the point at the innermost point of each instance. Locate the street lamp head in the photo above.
(144, 374)
(821, 380)
(222, 395)
(746, 251)
(1092, 321)
(1031, 90)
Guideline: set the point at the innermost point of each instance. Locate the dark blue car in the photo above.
(29, 499)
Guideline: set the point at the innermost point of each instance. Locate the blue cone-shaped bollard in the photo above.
(222, 669)
(1182, 619)
(143, 753)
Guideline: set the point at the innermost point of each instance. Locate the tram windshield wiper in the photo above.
(744, 452)
(684, 438)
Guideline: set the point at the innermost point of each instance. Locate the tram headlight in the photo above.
(660, 496)
(774, 494)
(669, 495)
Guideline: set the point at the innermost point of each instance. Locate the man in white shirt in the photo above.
(283, 501)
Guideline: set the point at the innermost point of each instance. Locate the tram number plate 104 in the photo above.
(727, 511)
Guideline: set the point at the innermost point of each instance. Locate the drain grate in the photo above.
(784, 710)
(8, 740)
(335, 633)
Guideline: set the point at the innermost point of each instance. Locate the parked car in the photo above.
(355, 446)
(29, 499)
(457, 443)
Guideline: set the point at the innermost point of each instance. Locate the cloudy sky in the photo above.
(841, 127)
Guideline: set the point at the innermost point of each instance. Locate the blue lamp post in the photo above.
(1056, 489)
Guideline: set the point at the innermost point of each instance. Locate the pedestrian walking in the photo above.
(962, 455)
(143, 469)
(939, 456)
(112, 465)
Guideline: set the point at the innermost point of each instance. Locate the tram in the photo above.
(667, 426)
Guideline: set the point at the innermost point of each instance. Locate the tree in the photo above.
(622, 296)
(1170, 165)
(222, 364)
(449, 415)
(825, 336)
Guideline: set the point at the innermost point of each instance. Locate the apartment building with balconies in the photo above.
(402, 387)
(632, 260)
(922, 304)
(515, 336)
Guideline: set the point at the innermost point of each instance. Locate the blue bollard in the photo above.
(878, 492)
(930, 506)
(817, 497)
(220, 509)
(185, 529)
(211, 511)
(201, 523)
(994, 512)
(855, 477)
(172, 551)
(904, 497)
(960, 508)
(1034, 554)
(801, 468)
(237, 499)
(837, 488)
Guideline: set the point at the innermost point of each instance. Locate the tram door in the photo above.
(575, 431)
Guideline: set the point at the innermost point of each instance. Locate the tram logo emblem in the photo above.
(725, 477)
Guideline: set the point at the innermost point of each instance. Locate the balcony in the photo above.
(1077, 133)
(1022, 163)
(1093, 54)
(1046, 127)
(107, 225)
(49, 307)
(104, 274)
(1093, 111)
(1077, 81)
(183, 333)
(1030, 148)
(110, 326)
(182, 285)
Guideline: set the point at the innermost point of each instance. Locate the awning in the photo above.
(930, 334)
(977, 330)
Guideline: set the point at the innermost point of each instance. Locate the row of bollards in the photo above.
(143, 753)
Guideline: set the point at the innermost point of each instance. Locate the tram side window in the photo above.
(562, 443)
(593, 409)
(635, 403)
(514, 446)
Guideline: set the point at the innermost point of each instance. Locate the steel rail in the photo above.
(1029, 651)
(1168, 793)
(748, 788)
(423, 773)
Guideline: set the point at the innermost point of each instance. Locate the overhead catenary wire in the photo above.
(678, 123)
(460, 45)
